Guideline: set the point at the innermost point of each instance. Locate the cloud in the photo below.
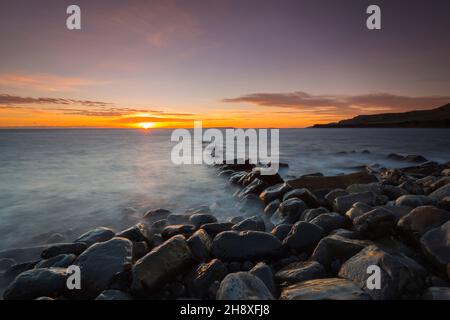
(46, 82)
(327, 103)
(10, 100)
(150, 119)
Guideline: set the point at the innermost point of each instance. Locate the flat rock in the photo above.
(334, 182)
(324, 289)
(243, 286)
(299, 272)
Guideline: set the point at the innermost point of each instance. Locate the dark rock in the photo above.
(289, 211)
(64, 248)
(357, 209)
(264, 272)
(225, 173)
(243, 286)
(155, 215)
(215, 228)
(274, 192)
(203, 276)
(435, 246)
(140, 249)
(411, 187)
(100, 234)
(247, 266)
(414, 201)
(324, 289)
(200, 244)
(59, 261)
(400, 275)
(335, 182)
(303, 194)
(245, 245)
(374, 187)
(253, 223)
(329, 221)
(177, 218)
(333, 194)
(303, 236)
(375, 223)
(37, 283)
(158, 226)
(100, 263)
(281, 231)
(161, 265)
(172, 230)
(336, 247)
(236, 177)
(444, 203)
(200, 219)
(311, 214)
(270, 209)
(299, 272)
(343, 203)
(440, 193)
(420, 220)
(114, 295)
(234, 266)
(437, 293)
(255, 188)
(440, 183)
(12, 272)
(137, 233)
(393, 192)
(349, 234)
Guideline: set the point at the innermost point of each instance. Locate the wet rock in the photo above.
(324, 289)
(334, 182)
(155, 215)
(36, 283)
(114, 295)
(343, 203)
(336, 247)
(253, 223)
(243, 286)
(215, 228)
(255, 188)
(200, 219)
(158, 226)
(281, 231)
(393, 192)
(440, 193)
(414, 201)
(289, 211)
(420, 220)
(137, 233)
(375, 223)
(303, 194)
(6, 263)
(200, 244)
(203, 276)
(264, 272)
(236, 177)
(437, 293)
(140, 249)
(349, 234)
(12, 272)
(435, 245)
(176, 229)
(411, 187)
(440, 183)
(329, 221)
(100, 234)
(59, 261)
(333, 194)
(161, 265)
(274, 192)
(270, 209)
(357, 209)
(310, 214)
(64, 248)
(245, 245)
(100, 263)
(303, 236)
(367, 187)
(408, 158)
(299, 272)
(400, 275)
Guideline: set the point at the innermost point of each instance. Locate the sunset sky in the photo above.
(240, 63)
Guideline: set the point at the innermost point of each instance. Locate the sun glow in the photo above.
(146, 125)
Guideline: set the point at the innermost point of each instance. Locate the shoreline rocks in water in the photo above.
(311, 237)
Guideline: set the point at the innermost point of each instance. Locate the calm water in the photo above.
(68, 181)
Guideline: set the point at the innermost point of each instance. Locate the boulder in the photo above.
(264, 272)
(303, 194)
(114, 295)
(435, 245)
(100, 234)
(217, 227)
(444, 203)
(274, 192)
(161, 265)
(100, 264)
(298, 272)
(281, 231)
(335, 182)
(440, 193)
(357, 209)
(393, 192)
(200, 219)
(303, 236)
(63, 248)
(178, 218)
(329, 221)
(375, 223)
(333, 194)
(37, 283)
(343, 203)
(140, 249)
(253, 223)
(175, 229)
(324, 289)
(414, 201)
(155, 215)
(59, 261)
(289, 211)
(374, 187)
(440, 183)
(243, 286)
(420, 220)
(200, 244)
(137, 233)
(270, 209)
(203, 276)
(400, 276)
(310, 214)
(245, 245)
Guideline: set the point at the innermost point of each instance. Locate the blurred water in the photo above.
(68, 181)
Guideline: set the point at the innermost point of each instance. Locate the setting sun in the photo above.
(146, 125)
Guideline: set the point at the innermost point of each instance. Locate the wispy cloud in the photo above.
(345, 104)
(9, 100)
(46, 82)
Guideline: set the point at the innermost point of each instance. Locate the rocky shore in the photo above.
(312, 237)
